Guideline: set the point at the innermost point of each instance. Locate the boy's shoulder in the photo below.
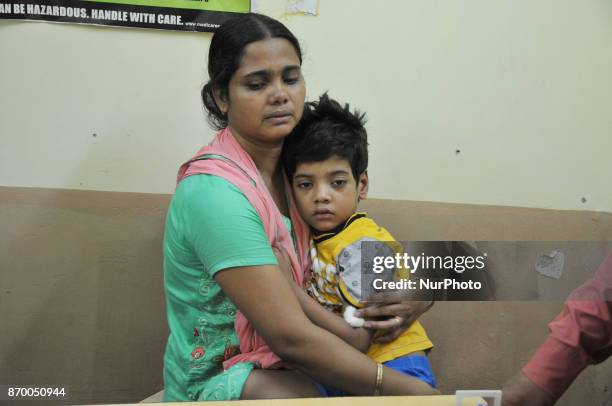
(360, 228)
(366, 227)
(363, 236)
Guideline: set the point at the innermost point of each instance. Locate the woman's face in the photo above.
(265, 97)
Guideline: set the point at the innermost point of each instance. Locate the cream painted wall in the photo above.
(522, 88)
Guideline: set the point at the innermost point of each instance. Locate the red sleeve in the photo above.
(580, 335)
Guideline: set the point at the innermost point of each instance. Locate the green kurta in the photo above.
(210, 226)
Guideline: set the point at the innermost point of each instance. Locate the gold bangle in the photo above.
(379, 379)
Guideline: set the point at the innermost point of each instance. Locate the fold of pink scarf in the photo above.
(224, 157)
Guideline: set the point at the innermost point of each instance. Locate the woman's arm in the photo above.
(266, 298)
(359, 338)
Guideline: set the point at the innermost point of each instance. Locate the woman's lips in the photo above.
(279, 117)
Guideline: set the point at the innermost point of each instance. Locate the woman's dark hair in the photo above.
(226, 51)
(327, 129)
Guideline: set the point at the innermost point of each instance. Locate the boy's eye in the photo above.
(304, 185)
(292, 80)
(339, 182)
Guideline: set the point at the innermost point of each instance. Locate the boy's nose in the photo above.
(322, 195)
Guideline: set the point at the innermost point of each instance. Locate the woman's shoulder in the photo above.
(205, 183)
(209, 199)
(208, 190)
(214, 220)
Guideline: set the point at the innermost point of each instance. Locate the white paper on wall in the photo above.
(302, 7)
(551, 265)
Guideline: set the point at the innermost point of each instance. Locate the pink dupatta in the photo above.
(231, 162)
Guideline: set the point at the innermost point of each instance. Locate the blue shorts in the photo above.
(417, 366)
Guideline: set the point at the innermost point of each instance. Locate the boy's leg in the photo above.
(278, 384)
(415, 364)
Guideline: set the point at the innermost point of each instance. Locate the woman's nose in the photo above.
(279, 93)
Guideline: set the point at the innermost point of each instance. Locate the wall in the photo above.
(520, 88)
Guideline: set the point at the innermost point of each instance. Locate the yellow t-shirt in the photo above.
(325, 285)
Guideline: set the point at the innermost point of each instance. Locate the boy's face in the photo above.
(326, 192)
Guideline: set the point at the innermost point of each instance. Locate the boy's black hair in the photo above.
(327, 129)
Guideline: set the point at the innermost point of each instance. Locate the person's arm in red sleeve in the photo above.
(580, 335)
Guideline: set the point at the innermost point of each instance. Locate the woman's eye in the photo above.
(255, 85)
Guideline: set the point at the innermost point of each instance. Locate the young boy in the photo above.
(326, 159)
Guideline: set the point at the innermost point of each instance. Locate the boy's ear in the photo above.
(362, 186)
(220, 96)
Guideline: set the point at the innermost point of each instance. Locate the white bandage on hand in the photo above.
(349, 316)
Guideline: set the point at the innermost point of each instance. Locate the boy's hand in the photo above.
(398, 312)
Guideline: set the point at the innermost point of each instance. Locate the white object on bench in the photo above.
(496, 395)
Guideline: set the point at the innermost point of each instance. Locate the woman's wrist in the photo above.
(379, 379)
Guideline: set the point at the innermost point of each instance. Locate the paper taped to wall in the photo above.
(302, 7)
(551, 265)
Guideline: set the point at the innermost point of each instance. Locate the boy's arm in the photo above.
(358, 338)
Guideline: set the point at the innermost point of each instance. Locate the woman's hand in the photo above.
(397, 312)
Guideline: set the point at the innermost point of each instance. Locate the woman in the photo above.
(228, 221)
